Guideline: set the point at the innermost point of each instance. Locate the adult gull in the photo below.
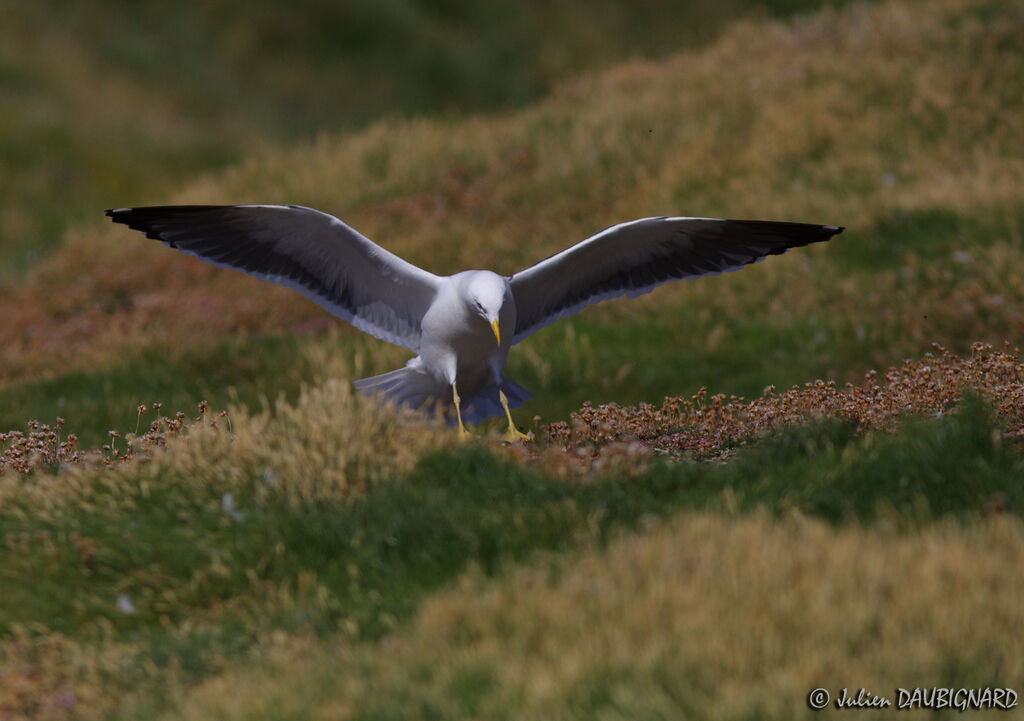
(461, 326)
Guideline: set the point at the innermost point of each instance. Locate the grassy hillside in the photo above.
(109, 99)
(651, 628)
(902, 128)
(311, 556)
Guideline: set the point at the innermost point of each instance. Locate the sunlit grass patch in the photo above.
(708, 616)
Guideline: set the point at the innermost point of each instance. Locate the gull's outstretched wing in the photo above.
(632, 258)
(304, 249)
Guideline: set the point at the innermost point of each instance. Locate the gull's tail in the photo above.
(412, 388)
(408, 386)
(485, 404)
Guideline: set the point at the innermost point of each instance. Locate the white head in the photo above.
(485, 292)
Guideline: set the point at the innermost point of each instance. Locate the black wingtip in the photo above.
(144, 217)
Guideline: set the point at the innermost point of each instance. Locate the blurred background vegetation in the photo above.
(115, 102)
(316, 560)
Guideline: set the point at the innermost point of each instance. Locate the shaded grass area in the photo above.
(957, 466)
(652, 357)
(240, 370)
(206, 577)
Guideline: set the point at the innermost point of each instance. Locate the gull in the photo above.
(460, 326)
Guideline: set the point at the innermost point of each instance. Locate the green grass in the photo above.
(246, 371)
(933, 233)
(204, 583)
(650, 355)
(955, 466)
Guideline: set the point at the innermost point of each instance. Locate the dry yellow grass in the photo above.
(50, 677)
(328, 446)
(325, 450)
(703, 617)
(801, 121)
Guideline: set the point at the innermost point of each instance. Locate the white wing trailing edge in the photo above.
(303, 249)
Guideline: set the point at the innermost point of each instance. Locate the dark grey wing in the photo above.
(633, 258)
(304, 249)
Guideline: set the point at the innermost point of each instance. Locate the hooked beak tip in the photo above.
(497, 331)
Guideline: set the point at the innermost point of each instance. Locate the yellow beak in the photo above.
(497, 331)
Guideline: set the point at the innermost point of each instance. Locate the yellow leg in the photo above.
(513, 433)
(463, 433)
